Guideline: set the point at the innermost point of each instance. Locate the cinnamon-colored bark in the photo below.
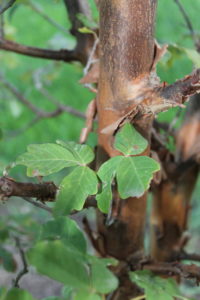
(126, 57)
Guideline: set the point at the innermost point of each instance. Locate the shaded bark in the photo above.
(172, 197)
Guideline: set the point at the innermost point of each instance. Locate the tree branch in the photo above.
(84, 41)
(174, 269)
(7, 6)
(75, 7)
(186, 256)
(186, 17)
(45, 191)
(24, 262)
(38, 10)
(60, 108)
(61, 55)
(182, 89)
(38, 204)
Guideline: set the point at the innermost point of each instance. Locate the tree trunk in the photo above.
(172, 197)
(126, 59)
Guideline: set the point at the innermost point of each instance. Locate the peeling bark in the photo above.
(172, 197)
(126, 27)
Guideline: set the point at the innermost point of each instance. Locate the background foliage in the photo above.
(62, 82)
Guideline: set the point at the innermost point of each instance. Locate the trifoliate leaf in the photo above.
(129, 141)
(106, 173)
(83, 154)
(155, 287)
(74, 190)
(45, 159)
(134, 175)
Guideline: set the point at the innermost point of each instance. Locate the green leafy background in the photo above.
(24, 25)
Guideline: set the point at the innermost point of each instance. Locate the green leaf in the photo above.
(106, 173)
(83, 154)
(86, 30)
(134, 175)
(74, 190)
(45, 159)
(67, 292)
(52, 298)
(155, 287)
(67, 230)
(1, 134)
(3, 292)
(103, 280)
(82, 295)
(129, 141)
(60, 263)
(18, 294)
(7, 259)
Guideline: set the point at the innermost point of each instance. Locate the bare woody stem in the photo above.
(60, 55)
(7, 6)
(45, 191)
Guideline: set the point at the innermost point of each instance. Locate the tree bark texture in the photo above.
(172, 197)
(126, 58)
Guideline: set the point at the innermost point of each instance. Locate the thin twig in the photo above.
(40, 113)
(186, 17)
(37, 77)
(6, 6)
(19, 131)
(91, 60)
(174, 269)
(24, 262)
(38, 10)
(139, 297)
(19, 96)
(188, 256)
(189, 25)
(63, 107)
(38, 204)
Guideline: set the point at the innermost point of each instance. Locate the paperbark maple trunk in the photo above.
(172, 197)
(126, 58)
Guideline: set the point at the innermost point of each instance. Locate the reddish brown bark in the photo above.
(172, 197)
(126, 57)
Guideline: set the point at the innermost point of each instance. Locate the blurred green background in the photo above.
(24, 25)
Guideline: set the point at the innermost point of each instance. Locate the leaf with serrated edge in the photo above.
(83, 154)
(74, 190)
(134, 175)
(129, 141)
(106, 173)
(45, 159)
